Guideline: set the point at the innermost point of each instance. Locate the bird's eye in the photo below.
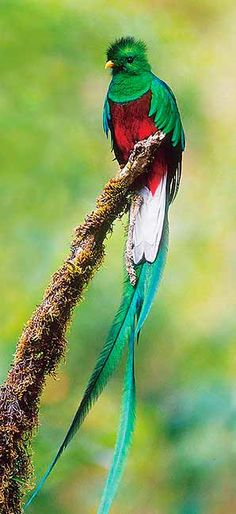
(130, 59)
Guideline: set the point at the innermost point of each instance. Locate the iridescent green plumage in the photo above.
(131, 79)
(125, 329)
(165, 111)
(125, 433)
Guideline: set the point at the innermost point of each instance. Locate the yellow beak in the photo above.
(109, 64)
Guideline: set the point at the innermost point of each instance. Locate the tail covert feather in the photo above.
(125, 432)
(134, 308)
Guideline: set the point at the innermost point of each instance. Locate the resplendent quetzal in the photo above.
(137, 104)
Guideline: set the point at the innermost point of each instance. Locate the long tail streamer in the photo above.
(125, 432)
(130, 317)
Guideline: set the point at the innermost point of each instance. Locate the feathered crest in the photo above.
(125, 43)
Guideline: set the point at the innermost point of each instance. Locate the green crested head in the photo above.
(127, 56)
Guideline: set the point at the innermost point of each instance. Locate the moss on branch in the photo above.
(42, 343)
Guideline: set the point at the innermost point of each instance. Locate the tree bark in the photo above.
(42, 343)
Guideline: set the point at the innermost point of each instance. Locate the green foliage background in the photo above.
(54, 160)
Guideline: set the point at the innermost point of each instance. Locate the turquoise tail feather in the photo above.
(105, 366)
(153, 272)
(125, 433)
(151, 277)
(135, 306)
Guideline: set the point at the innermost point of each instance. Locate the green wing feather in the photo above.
(165, 111)
(125, 433)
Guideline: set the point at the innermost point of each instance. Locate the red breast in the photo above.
(131, 123)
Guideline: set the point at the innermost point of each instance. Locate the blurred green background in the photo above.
(54, 160)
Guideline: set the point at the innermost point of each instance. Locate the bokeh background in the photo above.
(54, 159)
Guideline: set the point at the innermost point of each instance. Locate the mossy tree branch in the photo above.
(43, 342)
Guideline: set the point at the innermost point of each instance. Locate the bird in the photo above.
(137, 105)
